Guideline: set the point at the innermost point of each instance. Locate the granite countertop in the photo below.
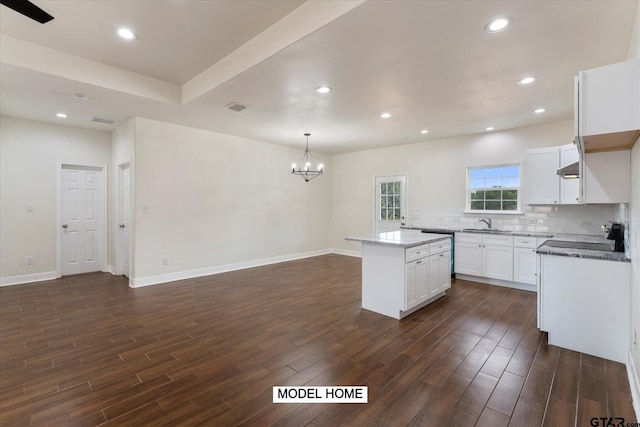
(402, 238)
(549, 250)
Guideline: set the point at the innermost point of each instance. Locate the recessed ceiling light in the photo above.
(323, 89)
(423, 131)
(539, 110)
(489, 128)
(527, 80)
(497, 25)
(126, 33)
(385, 115)
(62, 115)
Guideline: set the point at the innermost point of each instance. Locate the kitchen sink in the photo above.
(579, 245)
(481, 230)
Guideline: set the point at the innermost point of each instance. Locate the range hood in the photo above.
(571, 171)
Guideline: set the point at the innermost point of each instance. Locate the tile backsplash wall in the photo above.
(575, 219)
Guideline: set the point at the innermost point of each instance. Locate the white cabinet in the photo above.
(542, 184)
(584, 305)
(396, 280)
(541, 180)
(569, 188)
(416, 276)
(484, 255)
(607, 106)
(439, 270)
(524, 261)
(607, 177)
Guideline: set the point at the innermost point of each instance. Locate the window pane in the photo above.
(492, 205)
(511, 171)
(493, 195)
(383, 201)
(476, 183)
(494, 172)
(383, 188)
(510, 194)
(389, 201)
(510, 205)
(397, 215)
(396, 201)
(476, 174)
(494, 182)
(396, 187)
(383, 214)
(477, 205)
(477, 195)
(511, 182)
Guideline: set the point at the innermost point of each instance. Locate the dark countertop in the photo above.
(544, 249)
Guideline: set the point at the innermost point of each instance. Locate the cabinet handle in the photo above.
(441, 254)
(419, 262)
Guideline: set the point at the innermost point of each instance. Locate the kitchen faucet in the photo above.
(487, 221)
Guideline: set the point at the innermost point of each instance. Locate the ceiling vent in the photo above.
(104, 121)
(235, 106)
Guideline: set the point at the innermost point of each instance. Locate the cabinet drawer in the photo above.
(497, 240)
(524, 242)
(441, 246)
(468, 238)
(416, 252)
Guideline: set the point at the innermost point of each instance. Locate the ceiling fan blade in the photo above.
(28, 9)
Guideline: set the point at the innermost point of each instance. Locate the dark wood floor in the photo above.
(88, 350)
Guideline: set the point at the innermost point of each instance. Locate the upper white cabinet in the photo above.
(541, 181)
(607, 107)
(542, 184)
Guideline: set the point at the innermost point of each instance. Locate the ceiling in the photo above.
(429, 63)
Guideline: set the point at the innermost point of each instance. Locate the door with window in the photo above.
(390, 203)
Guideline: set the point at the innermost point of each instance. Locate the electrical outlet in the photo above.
(165, 260)
(29, 260)
(585, 223)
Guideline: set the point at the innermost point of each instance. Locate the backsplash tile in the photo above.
(575, 219)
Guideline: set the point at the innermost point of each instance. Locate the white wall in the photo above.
(29, 155)
(216, 200)
(437, 182)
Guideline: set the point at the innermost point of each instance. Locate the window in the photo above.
(494, 189)
(390, 198)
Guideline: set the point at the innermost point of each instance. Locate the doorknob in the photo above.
(65, 226)
(121, 225)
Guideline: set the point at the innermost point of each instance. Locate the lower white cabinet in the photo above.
(439, 273)
(484, 255)
(525, 260)
(584, 305)
(397, 281)
(417, 283)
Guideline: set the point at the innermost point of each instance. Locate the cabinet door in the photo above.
(541, 180)
(569, 188)
(497, 262)
(416, 282)
(468, 258)
(524, 265)
(439, 273)
(607, 177)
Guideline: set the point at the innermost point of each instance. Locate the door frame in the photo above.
(375, 200)
(119, 213)
(103, 170)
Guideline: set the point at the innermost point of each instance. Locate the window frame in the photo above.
(517, 211)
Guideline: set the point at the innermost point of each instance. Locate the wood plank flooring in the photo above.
(88, 350)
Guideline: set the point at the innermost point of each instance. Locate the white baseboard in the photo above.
(111, 269)
(28, 278)
(634, 384)
(357, 254)
(206, 271)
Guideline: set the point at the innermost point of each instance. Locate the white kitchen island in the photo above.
(402, 271)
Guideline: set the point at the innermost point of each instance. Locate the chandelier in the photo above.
(305, 170)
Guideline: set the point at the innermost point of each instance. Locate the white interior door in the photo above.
(390, 203)
(83, 222)
(124, 203)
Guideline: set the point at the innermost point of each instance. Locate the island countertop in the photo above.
(402, 238)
